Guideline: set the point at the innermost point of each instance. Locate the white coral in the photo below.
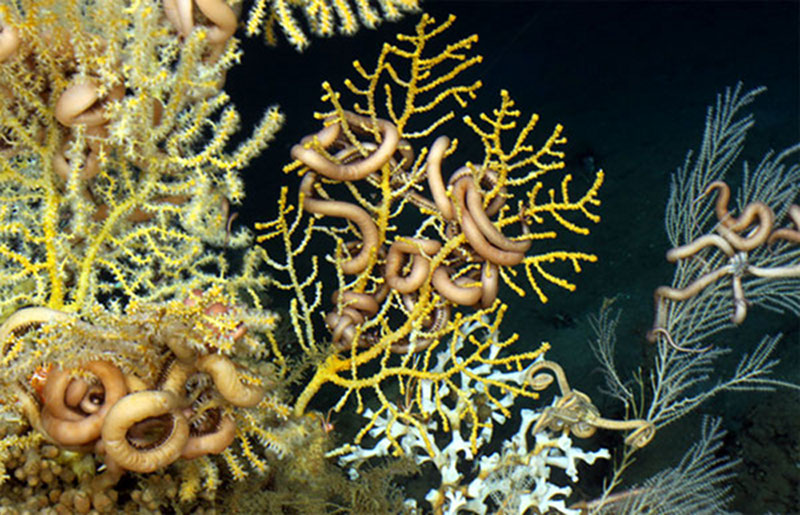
(518, 477)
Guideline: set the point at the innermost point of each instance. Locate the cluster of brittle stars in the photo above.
(408, 262)
(736, 237)
(138, 425)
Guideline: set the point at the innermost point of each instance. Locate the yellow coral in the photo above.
(269, 15)
(110, 199)
(404, 298)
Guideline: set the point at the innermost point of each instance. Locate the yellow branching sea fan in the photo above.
(414, 256)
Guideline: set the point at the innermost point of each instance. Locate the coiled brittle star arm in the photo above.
(350, 171)
(575, 412)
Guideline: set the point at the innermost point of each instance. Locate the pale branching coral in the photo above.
(519, 478)
(726, 260)
(516, 479)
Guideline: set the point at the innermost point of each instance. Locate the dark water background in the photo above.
(630, 81)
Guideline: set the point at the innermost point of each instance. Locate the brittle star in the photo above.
(736, 247)
(574, 411)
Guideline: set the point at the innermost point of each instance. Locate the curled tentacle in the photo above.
(213, 438)
(419, 249)
(758, 236)
(355, 170)
(81, 104)
(226, 379)
(433, 168)
(69, 426)
(142, 408)
(789, 234)
(349, 211)
(453, 290)
(641, 436)
(476, 237)
(9, 41)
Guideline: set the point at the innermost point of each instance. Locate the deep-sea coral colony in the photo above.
(114, 136)
(105, 198)
(124, 332)
(178, 383)
(417, 259)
